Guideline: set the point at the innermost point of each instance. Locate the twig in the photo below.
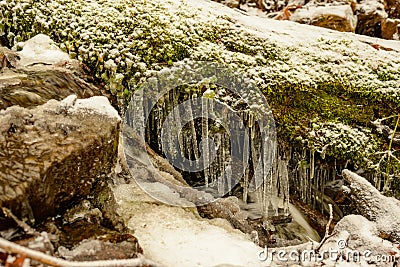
(327, 235)
(29, 230)
(57, 262)
(313, 242)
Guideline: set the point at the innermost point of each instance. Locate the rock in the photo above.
(230, 3)
(40, 72)
(49, 159)
(385, 211)
(32, 87)
(370, 14)
(8, 58)
(393, 8)
(359, 240)
(340, 18)
(94, 250)
(390, 29)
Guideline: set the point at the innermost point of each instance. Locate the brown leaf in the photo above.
(376, 46)
(18, 262)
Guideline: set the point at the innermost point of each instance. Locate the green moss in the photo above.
(125, 41)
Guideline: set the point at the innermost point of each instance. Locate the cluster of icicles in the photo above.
(206, 139)
(231, 162)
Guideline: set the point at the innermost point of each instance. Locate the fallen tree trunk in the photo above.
(370, 203)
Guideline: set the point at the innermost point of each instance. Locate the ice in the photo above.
(174, 236)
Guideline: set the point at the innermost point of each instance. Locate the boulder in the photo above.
(40, 72)
(370, 14)
(340, 17)
(51, 155)
(390, 29)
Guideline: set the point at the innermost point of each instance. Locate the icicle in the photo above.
(193, 132)
(204, 136)
(312, 174)
(312, 164)
(267, 171)
(285, 185)
(162, 112)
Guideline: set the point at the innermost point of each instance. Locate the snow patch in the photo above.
(95, 104)
(175, 236)
(40, 49)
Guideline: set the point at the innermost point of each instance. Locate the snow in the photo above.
(385, 211)
(360, 235)
(40, 49)
(175, 236)
(282, 31)
(94, 104)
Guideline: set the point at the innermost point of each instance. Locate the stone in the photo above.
(374, 206)
(40, 72)
(390, 29)
(370, 14)
(50, 159)
(96, 250)
(8, 58)
(230, 3)
(393, 8)
(340, 17)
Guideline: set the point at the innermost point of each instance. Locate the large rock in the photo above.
(40, 72)
(370, 14)
(390, 29)
(374, 206)
(340, 18)
(50, 155)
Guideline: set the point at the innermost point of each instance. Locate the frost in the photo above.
(95, 104)
(342, 141)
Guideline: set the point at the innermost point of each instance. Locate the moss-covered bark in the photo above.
(324, 92)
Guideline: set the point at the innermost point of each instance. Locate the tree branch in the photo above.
(327, 235)
(57, 262)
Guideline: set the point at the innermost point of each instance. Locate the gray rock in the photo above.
(50, 159)
(40, 72)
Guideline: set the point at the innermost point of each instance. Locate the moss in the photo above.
(125, 41)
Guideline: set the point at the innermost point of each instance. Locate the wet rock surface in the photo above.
(52, 154)
(93, 250)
